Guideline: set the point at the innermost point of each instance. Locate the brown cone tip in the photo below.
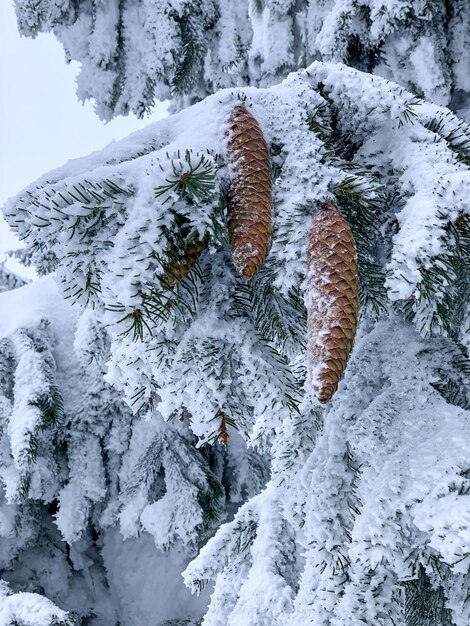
(250, 193)
(178, 269)
(332, 299)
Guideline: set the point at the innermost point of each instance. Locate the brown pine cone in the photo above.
(249, 196)
(176, 270)
(332, 302)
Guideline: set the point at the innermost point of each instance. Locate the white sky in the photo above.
(42, 124)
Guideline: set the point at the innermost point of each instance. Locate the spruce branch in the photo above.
(192, 176)
(424, 603)
(51, 406)
(444, 290)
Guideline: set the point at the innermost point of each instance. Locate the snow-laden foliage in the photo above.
(365, 518)
(219, 347)
(133, 52)
(382, 499)
(80, 473)
(29, 609)
(8, 279)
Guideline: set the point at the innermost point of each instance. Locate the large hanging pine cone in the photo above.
(332, 301)
(249, 196)
(176, 270)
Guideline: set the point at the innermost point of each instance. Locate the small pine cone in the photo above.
(249, 196)
(332, 301)
(223, 433)
(176, 270)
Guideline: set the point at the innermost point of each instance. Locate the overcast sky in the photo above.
(42, 124)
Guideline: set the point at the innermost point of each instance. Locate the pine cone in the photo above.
(249, 196)
(176, 270)
(332, 304)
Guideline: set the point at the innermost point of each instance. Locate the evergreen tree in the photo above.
(133, 52)
(80, 473)
(365, 517)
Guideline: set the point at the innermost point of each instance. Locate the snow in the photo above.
(28, 305)
(29, 609)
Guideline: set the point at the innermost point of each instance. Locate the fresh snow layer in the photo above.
(26, 306)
